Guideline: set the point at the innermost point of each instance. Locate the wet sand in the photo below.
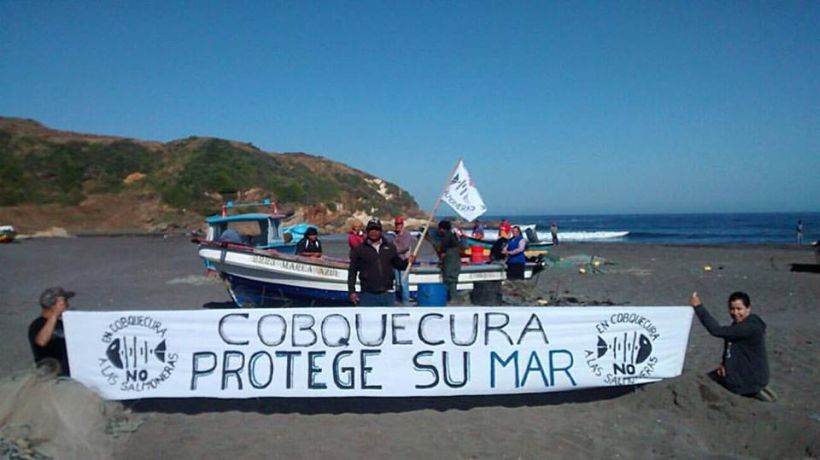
(687, 417)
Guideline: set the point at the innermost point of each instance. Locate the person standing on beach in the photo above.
(45, 333)
(372, 262)
(404, 243)
(516, 259)
(799, 231)
(504, 229)
(744, 367)
(554, 233)
(356, 235)
(448, 248)
(478, 230)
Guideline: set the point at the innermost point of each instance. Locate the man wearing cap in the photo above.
(404, 242)
(373, 263)
(45, 334)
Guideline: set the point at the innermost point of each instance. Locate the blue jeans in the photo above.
(403, 288)
(384, 299)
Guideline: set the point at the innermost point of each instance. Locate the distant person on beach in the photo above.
(478, 230)
(799, 232)
(448, 248)
(516, 259)
(504, 229)
(309, 246)
(744, 366)
(372, 262)
(356, 235)
(554, 233)
(404, 242)
(45, 334)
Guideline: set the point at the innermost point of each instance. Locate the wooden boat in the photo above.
(251, 253)
(536, 246)
(7, 234)
(267, 277)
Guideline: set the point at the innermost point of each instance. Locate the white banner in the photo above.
(463, 196)
(338, 352)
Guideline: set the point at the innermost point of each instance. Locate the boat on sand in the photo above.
(7, 234)
(250, 252)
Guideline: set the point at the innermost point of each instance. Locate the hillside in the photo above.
(86, 182)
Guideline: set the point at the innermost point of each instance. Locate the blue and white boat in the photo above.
(251, 253)
(266, 277)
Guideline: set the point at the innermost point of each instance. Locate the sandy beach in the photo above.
(686, 417)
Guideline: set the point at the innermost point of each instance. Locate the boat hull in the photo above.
(268, 278)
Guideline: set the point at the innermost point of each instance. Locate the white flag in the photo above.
(462, 195)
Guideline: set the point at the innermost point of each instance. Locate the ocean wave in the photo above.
(593, 235)
(584, 236)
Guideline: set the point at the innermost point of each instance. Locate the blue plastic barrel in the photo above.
(432, 295)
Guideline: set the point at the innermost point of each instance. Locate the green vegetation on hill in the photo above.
(38, 166)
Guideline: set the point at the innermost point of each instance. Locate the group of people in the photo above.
(378, 264)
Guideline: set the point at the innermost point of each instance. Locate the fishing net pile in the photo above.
(43, 416)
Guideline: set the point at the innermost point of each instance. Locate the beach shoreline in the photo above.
(690, 416)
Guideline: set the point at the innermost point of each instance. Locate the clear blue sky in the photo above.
(570, 107)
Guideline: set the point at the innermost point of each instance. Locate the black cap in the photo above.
(49, 297)
(445, 225)
(374, 224)
(311, 231)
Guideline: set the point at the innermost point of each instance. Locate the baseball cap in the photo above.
(374, 224)
(49, 297)
(399, 220)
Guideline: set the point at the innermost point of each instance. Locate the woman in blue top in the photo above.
(515, 255)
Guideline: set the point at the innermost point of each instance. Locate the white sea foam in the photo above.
(584, 236)
(492, 234)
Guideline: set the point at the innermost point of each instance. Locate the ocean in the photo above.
(757, 228)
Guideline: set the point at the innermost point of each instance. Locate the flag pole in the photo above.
(432, 217)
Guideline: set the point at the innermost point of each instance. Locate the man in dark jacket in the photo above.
(45, 334)
(309, 246)
(373, 263)
(448, 248)
(744, 368)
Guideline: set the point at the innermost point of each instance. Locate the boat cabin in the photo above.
(256, 229)
(261, 230)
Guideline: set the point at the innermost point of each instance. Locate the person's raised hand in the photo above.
(695, 299)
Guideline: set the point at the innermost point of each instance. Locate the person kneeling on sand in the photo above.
(45, 334)
(744, 368)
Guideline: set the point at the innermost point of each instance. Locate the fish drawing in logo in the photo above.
(113, 354)
(602, 346)
(159, 352)
(120, 350)
(644, 349)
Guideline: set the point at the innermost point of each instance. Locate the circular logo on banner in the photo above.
(623, 353)
(136, 355)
